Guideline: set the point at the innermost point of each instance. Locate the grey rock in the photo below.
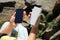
(6, 0)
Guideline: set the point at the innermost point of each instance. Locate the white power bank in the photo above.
(36, 11)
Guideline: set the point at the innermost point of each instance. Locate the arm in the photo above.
(8, 29)
(10, 26)
(34, 30)
(32, 35)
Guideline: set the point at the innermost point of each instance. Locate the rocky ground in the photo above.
(7, 12)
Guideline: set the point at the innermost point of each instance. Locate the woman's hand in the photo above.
(12, 20)
(34, 30)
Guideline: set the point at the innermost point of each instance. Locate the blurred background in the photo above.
(49, 27)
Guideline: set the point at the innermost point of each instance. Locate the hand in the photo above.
(34, 30)
(10, 26)
(12, 20)
(25, 17)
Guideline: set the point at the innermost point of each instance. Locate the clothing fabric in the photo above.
(22, 31)
(4, 26)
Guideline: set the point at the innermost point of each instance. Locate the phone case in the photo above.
(19, 15)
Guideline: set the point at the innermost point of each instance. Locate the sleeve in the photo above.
(4, 26)
(17, 28)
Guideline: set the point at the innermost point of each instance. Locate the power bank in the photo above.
(36, 11)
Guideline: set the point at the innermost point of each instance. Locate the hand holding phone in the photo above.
(36, 11)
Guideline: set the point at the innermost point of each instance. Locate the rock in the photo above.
(6, 0)
(6, 4)
(1, 8)
(55, 36)
(46, 4)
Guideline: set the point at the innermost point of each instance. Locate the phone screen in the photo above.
(19, 16)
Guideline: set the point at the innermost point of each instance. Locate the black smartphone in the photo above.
(19, 15)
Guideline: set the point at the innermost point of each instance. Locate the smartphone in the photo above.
(36, 11)
(19, 15)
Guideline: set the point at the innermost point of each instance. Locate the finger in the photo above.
(24, 13)
(29, 14)
(14, 14)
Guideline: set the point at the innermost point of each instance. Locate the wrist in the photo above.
(12, 25)
(34, 30)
